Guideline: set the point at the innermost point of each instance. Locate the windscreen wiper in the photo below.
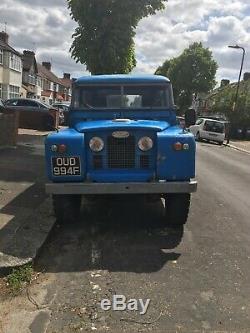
(88, 105)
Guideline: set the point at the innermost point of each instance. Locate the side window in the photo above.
(199, 122)
(41, 106)
(21, 102)
(12, 102)
(25, 102)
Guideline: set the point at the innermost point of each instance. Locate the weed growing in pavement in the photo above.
(19, 277)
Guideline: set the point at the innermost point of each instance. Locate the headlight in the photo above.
(145, 143)
(96, 144)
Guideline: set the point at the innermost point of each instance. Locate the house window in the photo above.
(39, 81)
(1, 56)
(15, 62)
(14, 92)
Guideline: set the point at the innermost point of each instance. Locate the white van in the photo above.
(209, 129)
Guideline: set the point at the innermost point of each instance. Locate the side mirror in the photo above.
(190, 117)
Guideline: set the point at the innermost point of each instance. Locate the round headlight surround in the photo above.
(96, 144)
(145, 143)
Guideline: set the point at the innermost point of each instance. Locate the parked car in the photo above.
(34, 114)
(64, 108)
(209, 129)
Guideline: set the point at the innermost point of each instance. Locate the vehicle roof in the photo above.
(122, 79)
(27, 99)
(22, 98)
(211, 119)
(62, 103)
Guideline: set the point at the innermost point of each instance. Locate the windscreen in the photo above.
(127, 97)
(214, 126)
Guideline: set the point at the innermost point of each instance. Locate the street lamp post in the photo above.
(238, 84)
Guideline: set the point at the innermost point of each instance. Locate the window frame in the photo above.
(14, 92)
(15, 62)
(1, 56)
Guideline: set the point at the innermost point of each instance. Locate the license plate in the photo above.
(66, 166)
(212, 134)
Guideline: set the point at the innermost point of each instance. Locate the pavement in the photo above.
(25, 211)
(197, 279)
(243, 146)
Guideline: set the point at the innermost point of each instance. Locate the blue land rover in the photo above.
(123, 138)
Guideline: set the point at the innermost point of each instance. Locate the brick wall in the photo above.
(8, 129)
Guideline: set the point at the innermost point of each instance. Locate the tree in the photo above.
(104, 38)
(222, 103)
(191, 73)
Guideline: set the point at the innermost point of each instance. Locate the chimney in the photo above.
(28, 53)
(246, 76)
(224, 83)
(66, 76)
(4, 36)
(47, 65)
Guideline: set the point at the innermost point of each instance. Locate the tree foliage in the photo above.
(222, 101)
(191, 73)
(104, 37)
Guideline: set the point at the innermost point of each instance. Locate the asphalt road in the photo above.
(197, 280)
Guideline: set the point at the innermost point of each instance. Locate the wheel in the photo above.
(177, 209)
(198, 137)
(66, 208)
(221, 143)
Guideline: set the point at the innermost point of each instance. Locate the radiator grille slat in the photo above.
(121, 152)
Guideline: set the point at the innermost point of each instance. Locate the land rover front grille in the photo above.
(121, 152)
(144, 162)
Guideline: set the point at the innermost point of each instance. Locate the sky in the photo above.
(46, 27)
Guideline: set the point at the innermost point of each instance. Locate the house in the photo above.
(29, 77)
(10, 69)
(52, 87)
(67, 81)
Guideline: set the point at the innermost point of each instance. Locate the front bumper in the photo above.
(122, 188)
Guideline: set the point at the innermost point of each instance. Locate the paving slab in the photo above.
(25, 210)
(20, 245)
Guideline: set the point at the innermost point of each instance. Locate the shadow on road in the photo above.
(210, 143)
(22, 176)
(128, 235)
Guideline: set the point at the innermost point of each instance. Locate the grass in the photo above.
(19, 277)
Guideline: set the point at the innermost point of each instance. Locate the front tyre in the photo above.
(177, 209)
(66, 207)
